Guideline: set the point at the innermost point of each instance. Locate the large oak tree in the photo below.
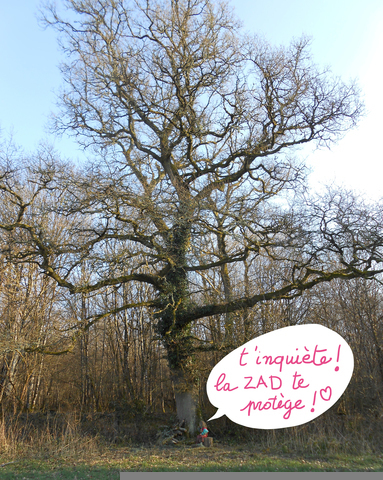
(195, 127)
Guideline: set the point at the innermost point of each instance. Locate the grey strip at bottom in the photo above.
(251, 475)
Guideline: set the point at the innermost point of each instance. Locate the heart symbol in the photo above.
(324, 392)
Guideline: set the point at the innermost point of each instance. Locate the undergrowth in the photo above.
(71, 435)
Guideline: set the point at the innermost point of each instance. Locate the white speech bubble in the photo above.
(283, 378)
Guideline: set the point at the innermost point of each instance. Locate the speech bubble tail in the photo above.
(218, 414)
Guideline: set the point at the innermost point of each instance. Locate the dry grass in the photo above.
(52, 437)
(111, 460)
(101, 445)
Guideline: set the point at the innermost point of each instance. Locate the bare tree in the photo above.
(354, 309)
(185, 111)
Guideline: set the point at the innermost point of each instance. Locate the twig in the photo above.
(3, 465)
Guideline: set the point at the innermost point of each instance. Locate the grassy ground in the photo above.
(107, 464)
(65, 446)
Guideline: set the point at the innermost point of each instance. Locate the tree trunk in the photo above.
(186, 396)
(174, 330)
(229, 317)
(180, 358)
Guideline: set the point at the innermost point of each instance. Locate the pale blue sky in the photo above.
(347, 35)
